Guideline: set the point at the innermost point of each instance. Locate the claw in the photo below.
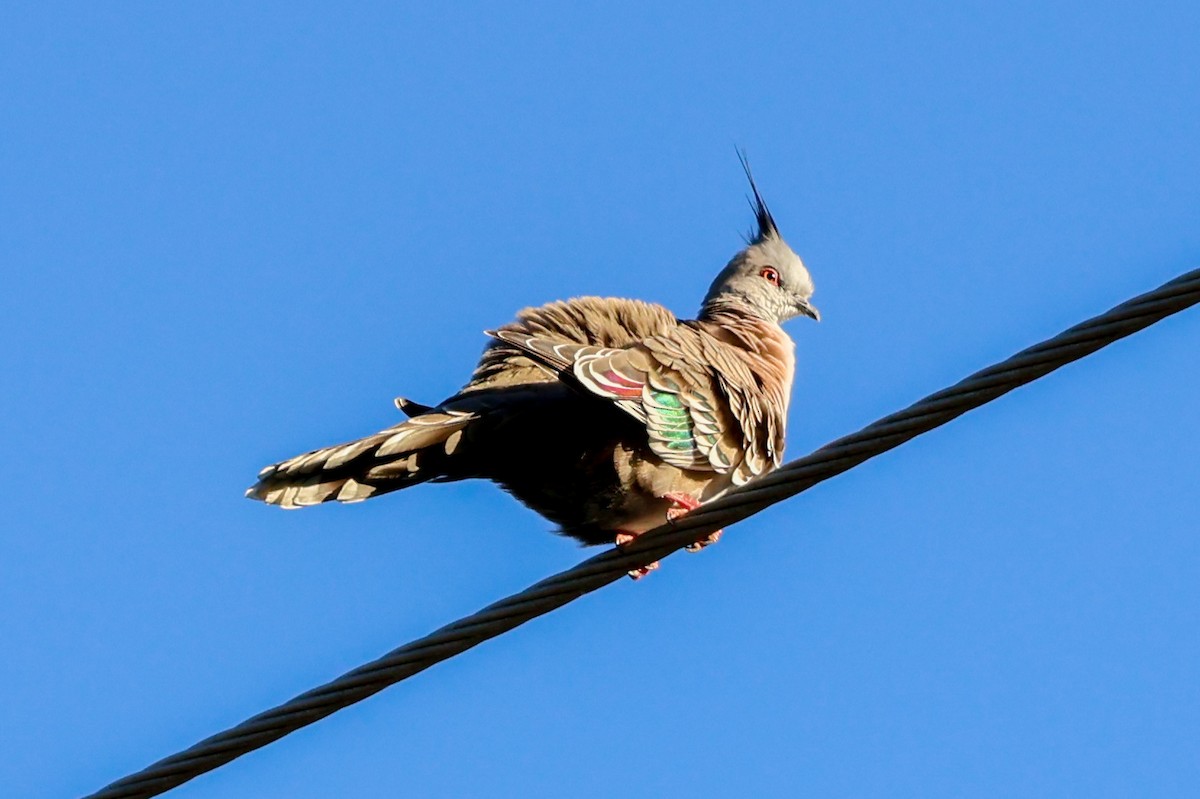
(713, 538)
(638, 574)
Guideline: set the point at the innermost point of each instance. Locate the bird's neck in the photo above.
(730, 306)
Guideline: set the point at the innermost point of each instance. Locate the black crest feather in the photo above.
(766, 222)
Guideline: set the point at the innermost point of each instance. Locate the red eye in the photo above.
(770, 275)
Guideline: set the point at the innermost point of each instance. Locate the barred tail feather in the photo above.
(409, 453)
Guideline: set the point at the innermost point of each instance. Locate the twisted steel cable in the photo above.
(597, 572)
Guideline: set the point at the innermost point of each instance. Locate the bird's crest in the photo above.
(766, 222)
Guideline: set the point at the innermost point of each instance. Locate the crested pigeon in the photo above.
(606, 416)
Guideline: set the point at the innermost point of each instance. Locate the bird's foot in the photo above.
(712, 538)
(637, 574)
(623, 539)
(682, 505)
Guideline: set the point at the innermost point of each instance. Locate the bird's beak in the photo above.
(808, 309)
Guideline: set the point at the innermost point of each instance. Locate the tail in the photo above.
(409, 453)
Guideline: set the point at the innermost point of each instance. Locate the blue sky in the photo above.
(231, 234)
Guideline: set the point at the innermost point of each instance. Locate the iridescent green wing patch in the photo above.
(674, 421)
(672, 429)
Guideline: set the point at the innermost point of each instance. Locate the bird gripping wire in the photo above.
(597, 572)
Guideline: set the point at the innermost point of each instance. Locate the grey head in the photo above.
(766, 279)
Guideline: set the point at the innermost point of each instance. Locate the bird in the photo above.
(607, 416)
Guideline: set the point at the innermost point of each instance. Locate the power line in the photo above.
(597, 572)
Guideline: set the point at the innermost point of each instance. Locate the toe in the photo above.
(638, 574)
(712, 538)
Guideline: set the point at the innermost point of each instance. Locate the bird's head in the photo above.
(766, 279)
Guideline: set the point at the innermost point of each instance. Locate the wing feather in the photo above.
(697, 396)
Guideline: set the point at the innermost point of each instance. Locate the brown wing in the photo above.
(697, 396)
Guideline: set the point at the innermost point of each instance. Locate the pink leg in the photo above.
(682, 505)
